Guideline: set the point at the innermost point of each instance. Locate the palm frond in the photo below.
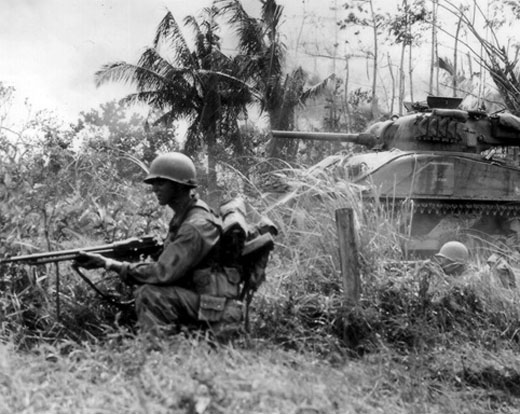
(191, 21)
(161, 99)
(249, 30)
(208, 16)
(149, 74)
(233, 9)
(272, 15)
(115, 72)
(446, 65)
(168, 33)
(206, 33)
(317, 89)
(164, 72)
(167, 118)
(224, 77)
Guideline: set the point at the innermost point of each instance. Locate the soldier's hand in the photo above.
(90, 260)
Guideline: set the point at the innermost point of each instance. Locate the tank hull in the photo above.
(447, 195)
(438, 176)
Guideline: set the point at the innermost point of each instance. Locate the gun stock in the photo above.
(129, 249)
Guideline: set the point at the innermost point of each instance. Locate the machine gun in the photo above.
(130, 249)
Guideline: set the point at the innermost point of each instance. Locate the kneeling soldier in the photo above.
(185, 285)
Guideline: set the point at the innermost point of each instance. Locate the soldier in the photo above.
(453, 258)
(184, 285)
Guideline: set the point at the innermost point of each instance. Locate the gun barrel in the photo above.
(368, 140)
(132, 244)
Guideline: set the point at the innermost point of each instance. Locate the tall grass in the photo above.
(302, 306)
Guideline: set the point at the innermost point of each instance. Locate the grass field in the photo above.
(194, 375)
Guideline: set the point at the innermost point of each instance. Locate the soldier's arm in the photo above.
(191, 245)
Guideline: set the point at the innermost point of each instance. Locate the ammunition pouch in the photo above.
(218, 287)
(223, 282)
(211, 308)
(215, 309)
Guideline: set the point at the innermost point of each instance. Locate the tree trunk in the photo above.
(433, 60)
(401, 81)
(410, 71)
(409, 42)
(214, 193)
(282, 119)
(210, 118)
(348, 116)
(375, 106)
(455, 58)
(392, 77)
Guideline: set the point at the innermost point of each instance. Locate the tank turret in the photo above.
(430, 129)
(459, 169)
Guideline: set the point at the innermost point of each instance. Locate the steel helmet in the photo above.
(454, 251)
(173, 166)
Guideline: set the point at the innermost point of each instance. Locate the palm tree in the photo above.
(262, 55)
(195, 84)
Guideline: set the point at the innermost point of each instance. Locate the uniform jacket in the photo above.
(191, 241)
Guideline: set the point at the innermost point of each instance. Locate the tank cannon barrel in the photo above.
(368, 140)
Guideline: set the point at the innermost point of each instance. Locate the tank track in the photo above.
(465, 207)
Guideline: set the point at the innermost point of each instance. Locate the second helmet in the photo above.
(454, 251)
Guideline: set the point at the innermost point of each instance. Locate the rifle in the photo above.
(130, 249)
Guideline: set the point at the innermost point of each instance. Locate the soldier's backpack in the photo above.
(246, 247)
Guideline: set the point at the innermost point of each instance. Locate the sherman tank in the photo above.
(457, 169)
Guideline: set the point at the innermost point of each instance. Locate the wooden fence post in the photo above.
(348, 255)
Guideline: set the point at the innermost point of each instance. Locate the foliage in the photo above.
(116, 127)
(310, 152)
(359, 99)
(363, 14)
(6, 101)
(51, 198)
(408, 15)
(499, 59)
(359, 14)
(262, 53)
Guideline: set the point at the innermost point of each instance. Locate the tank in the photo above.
(456, 170)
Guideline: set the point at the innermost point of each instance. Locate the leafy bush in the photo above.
(54, 198)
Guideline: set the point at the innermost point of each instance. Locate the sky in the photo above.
(52, 48)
